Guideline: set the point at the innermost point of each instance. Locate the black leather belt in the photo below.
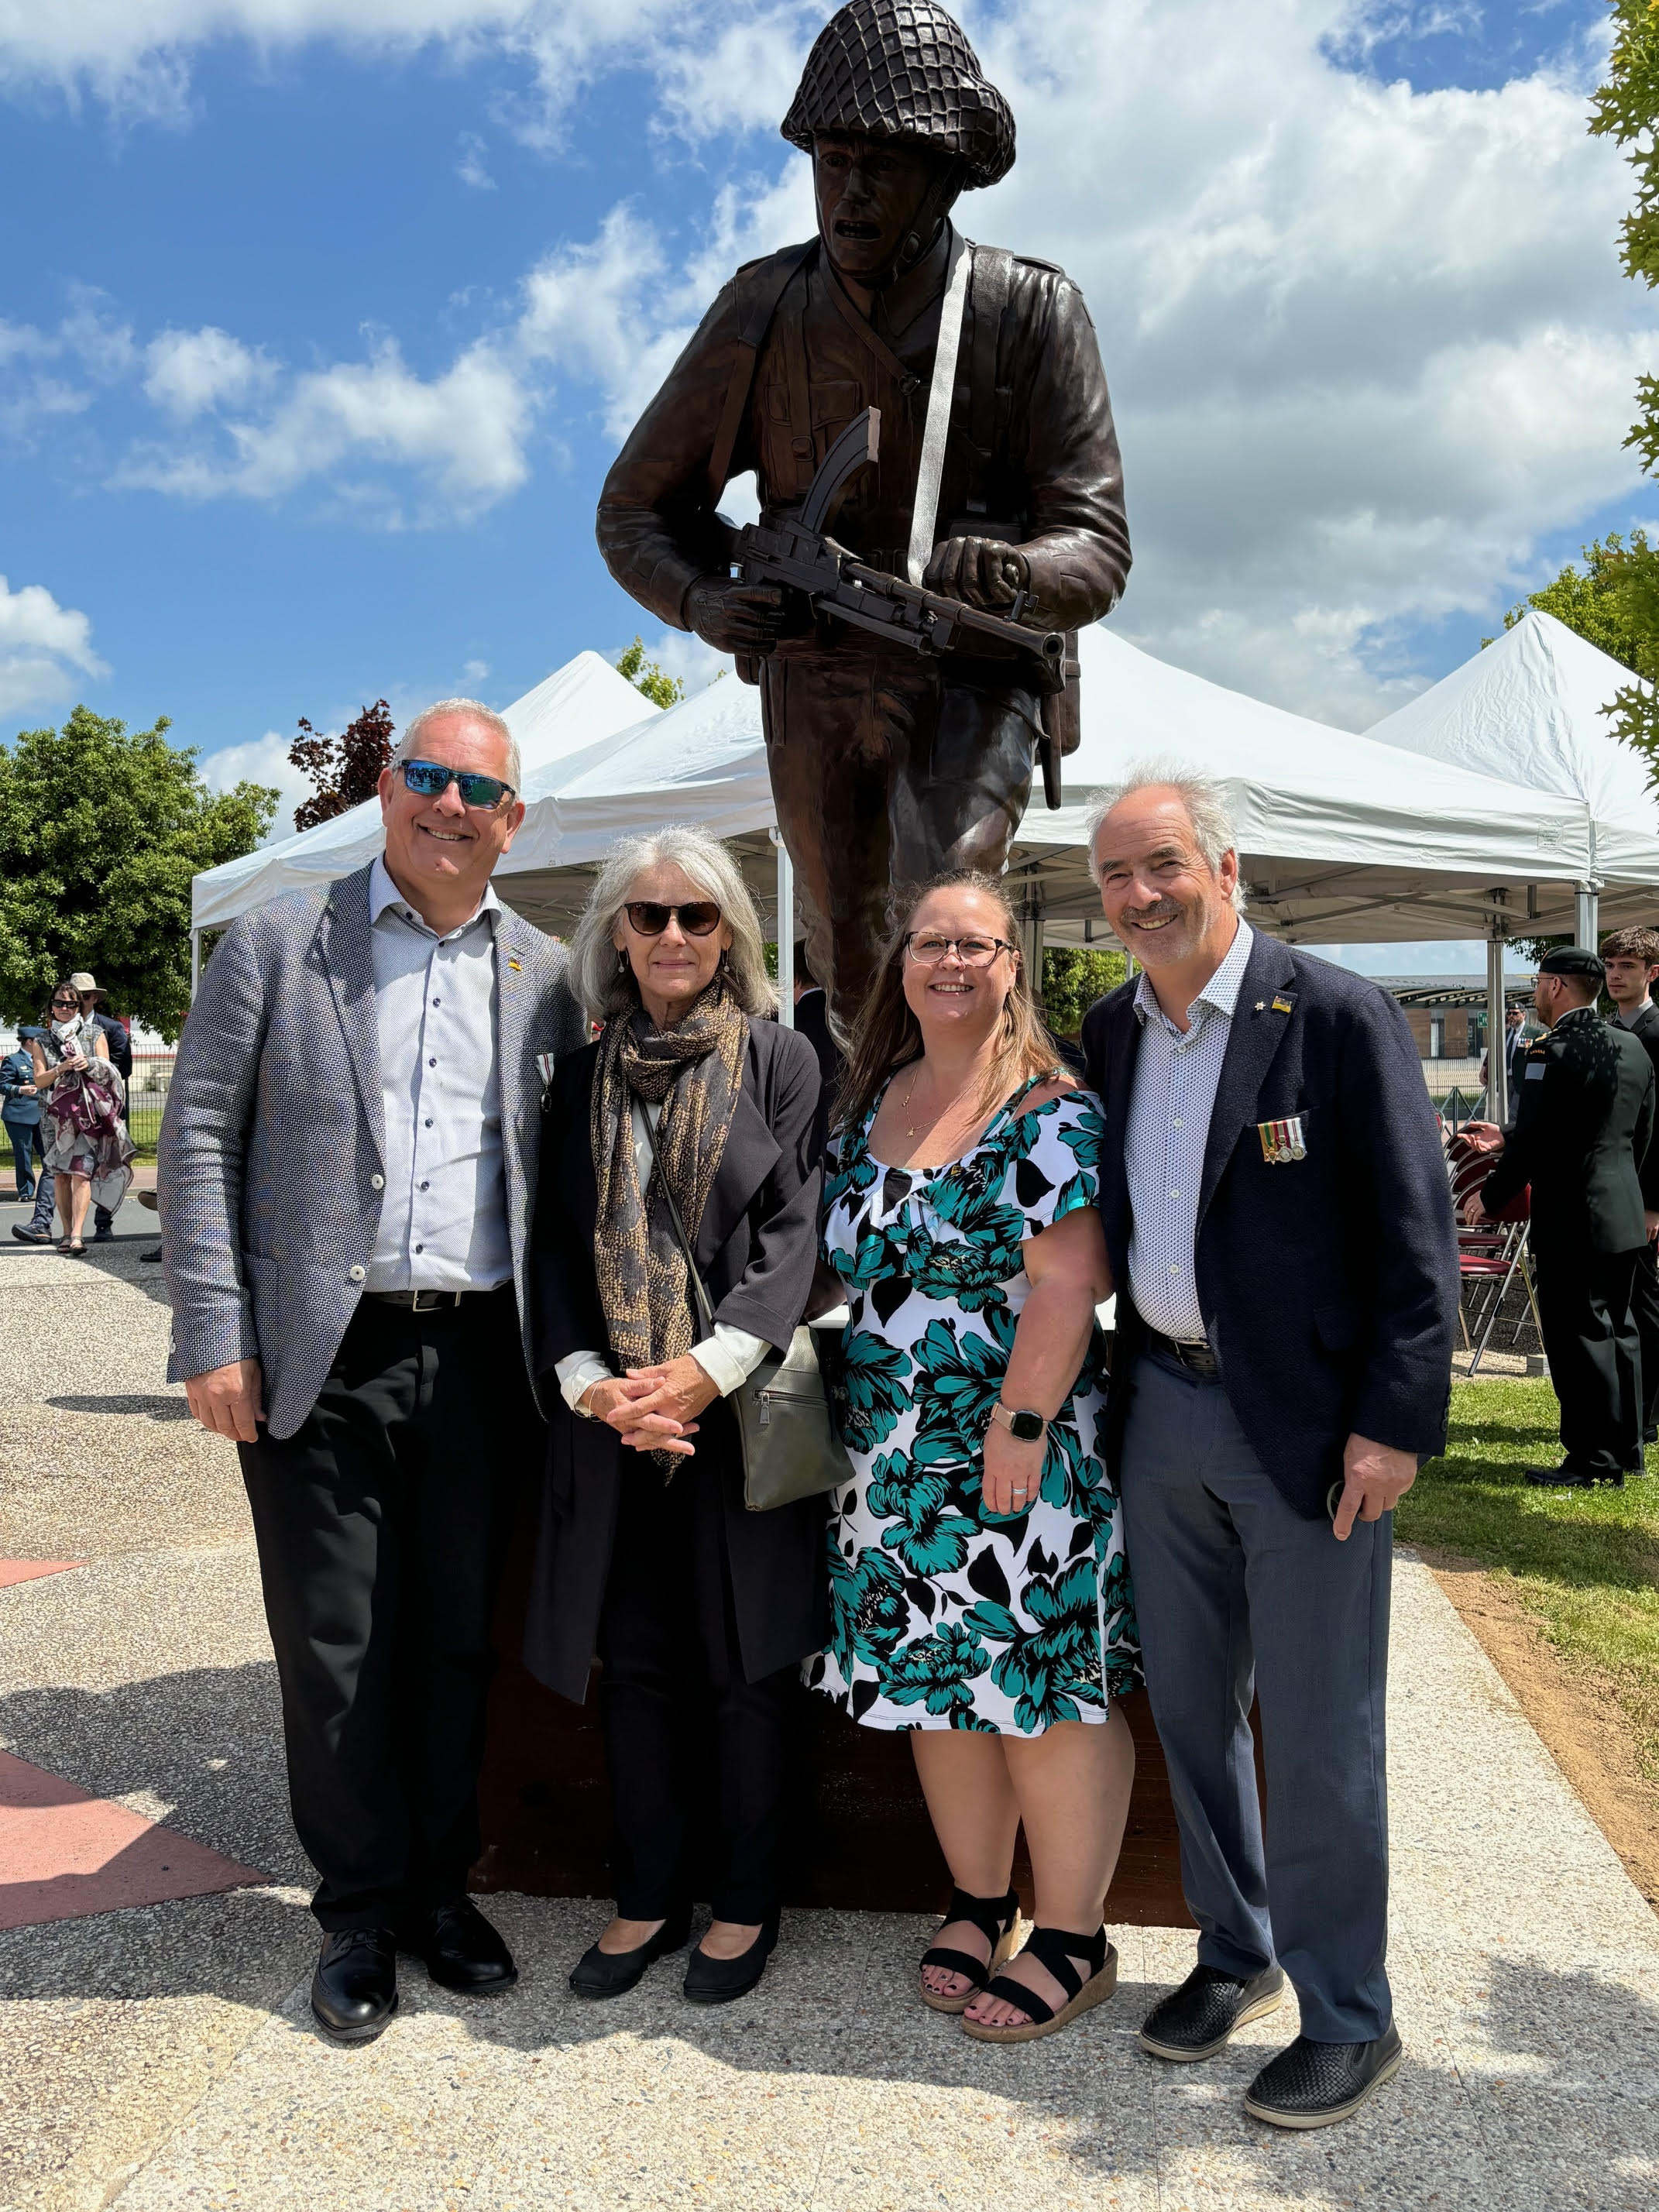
(428, 1300)
(1196, 1359)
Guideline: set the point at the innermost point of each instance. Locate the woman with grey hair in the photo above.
(700, 1610)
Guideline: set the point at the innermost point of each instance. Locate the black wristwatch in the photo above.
(1021, 1422)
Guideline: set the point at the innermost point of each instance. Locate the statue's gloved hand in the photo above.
(735, 618)
(982, 571)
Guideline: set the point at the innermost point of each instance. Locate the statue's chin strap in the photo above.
(937, 202)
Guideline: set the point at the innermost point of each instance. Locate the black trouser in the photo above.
(668, 1645)
(888, 767)
(1595, 1357)
(1644, 1312)
(381, 1526)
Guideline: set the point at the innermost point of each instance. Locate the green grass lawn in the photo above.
(1583, 1563)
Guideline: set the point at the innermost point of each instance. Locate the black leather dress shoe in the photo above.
(460, 1948)
(717, 1981)
(611, 1973)
(1196, 2021)
(1312, 2084)
(354, 1991)
(1571, 1478)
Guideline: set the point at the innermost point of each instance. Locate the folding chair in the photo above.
(1489, 1256)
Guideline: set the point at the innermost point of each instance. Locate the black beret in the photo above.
(1573, 960)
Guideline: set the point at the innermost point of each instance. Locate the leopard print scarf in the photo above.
(694, 1071)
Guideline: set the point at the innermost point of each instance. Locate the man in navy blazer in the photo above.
(1280, 1227)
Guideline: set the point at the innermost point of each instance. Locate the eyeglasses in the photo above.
(698, 918)
(431, 778)
(68, 1000)
(972, 951)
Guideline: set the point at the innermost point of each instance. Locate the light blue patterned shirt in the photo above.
(1170, 1104)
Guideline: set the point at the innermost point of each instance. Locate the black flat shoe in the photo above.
(1565, 1478)
(461, 1950)
(610, 1973)
(1197, 2020)
(1310, 2085)
(717, 1981)
(354, 1991)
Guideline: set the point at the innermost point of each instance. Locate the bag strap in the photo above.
(705, 1311)
(773, 284)
(931, 469)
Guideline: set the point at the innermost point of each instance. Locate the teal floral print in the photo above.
(942, 1616)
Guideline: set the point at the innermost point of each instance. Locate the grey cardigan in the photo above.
(272, 1166)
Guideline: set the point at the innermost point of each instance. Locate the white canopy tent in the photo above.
(1335, 840)
(582, 703)
(1531, 708)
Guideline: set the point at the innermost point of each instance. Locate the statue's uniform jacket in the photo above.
(886, 766)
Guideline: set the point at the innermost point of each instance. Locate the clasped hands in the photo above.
(654, 1408)
(738, 617)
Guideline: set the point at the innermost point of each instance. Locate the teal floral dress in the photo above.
(943, 1615)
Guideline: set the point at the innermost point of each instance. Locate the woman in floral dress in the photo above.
(979, 1593)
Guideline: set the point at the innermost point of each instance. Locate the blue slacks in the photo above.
(1235, 1593)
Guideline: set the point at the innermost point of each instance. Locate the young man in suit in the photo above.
(1580, 1139)
(1631, 957)
(1280, 1234)
(347, 1167)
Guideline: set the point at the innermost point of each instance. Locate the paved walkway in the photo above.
(159, 2056)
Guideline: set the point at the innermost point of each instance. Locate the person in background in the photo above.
(346, 1181)
(87, 1148)
(1515, 1051)
(1280, 1232)
(38, 1228)
(979, 1593)
(691, 1099)
(1631, 957)
(22, 1115)
(119, 1044)
(1580, 1138)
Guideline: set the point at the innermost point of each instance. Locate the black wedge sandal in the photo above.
(1056, 1949)
(997, 1919)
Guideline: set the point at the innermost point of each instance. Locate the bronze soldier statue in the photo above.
(888, 765)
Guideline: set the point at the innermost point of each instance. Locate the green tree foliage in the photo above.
(346, 769)
(100, 832)
(650, 677)
(1073, 978)
(1594, 600)
(1626, 110)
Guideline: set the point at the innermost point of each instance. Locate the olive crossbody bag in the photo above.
(784, 1426)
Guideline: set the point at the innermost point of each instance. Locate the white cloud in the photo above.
(260, 760)
(43, 646)
(190, 371)
(471, 168)
(475, 672)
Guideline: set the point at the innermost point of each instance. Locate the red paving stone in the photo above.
(25, 1571)
(64, 1854)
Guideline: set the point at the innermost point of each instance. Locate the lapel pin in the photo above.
(1261, 1005)
(1282, 1005)
(514, 966)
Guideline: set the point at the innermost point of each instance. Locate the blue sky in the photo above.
(318, 332)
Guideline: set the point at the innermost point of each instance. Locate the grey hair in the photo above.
(604, 985)
(476, 711)
(1203, 796)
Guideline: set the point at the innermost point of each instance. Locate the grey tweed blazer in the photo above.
(270, 1169)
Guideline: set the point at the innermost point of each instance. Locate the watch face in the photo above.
(1027, 1427)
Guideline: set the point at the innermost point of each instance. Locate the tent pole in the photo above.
(1498, 1071)
(1586, 904)
(786, 932)
(195, 963)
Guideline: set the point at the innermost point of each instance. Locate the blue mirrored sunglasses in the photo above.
(430, 780)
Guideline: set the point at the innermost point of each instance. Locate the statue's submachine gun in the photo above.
(797, 551)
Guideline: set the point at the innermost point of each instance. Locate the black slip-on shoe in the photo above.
(460, 1949)
(1571, 1478)
(717, 1981)
(1311, 2085)
(1199, 2019)
(354, 1991)
(611, 1973)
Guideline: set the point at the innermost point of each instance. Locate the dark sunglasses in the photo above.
(430, 780)
(68, 1000)
(699, 918)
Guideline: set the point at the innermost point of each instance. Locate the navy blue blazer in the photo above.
(1328, 1285)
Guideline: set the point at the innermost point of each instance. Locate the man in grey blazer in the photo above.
(348, 1166)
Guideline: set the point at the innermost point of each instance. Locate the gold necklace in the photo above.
(910, 1128)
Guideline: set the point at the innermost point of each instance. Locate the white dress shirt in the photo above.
(728, 1358)
(1168, 1130)
(443, 1219)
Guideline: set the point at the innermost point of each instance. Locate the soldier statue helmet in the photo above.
(886, 766)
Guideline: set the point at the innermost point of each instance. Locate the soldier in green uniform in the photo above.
(1580, 1135)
